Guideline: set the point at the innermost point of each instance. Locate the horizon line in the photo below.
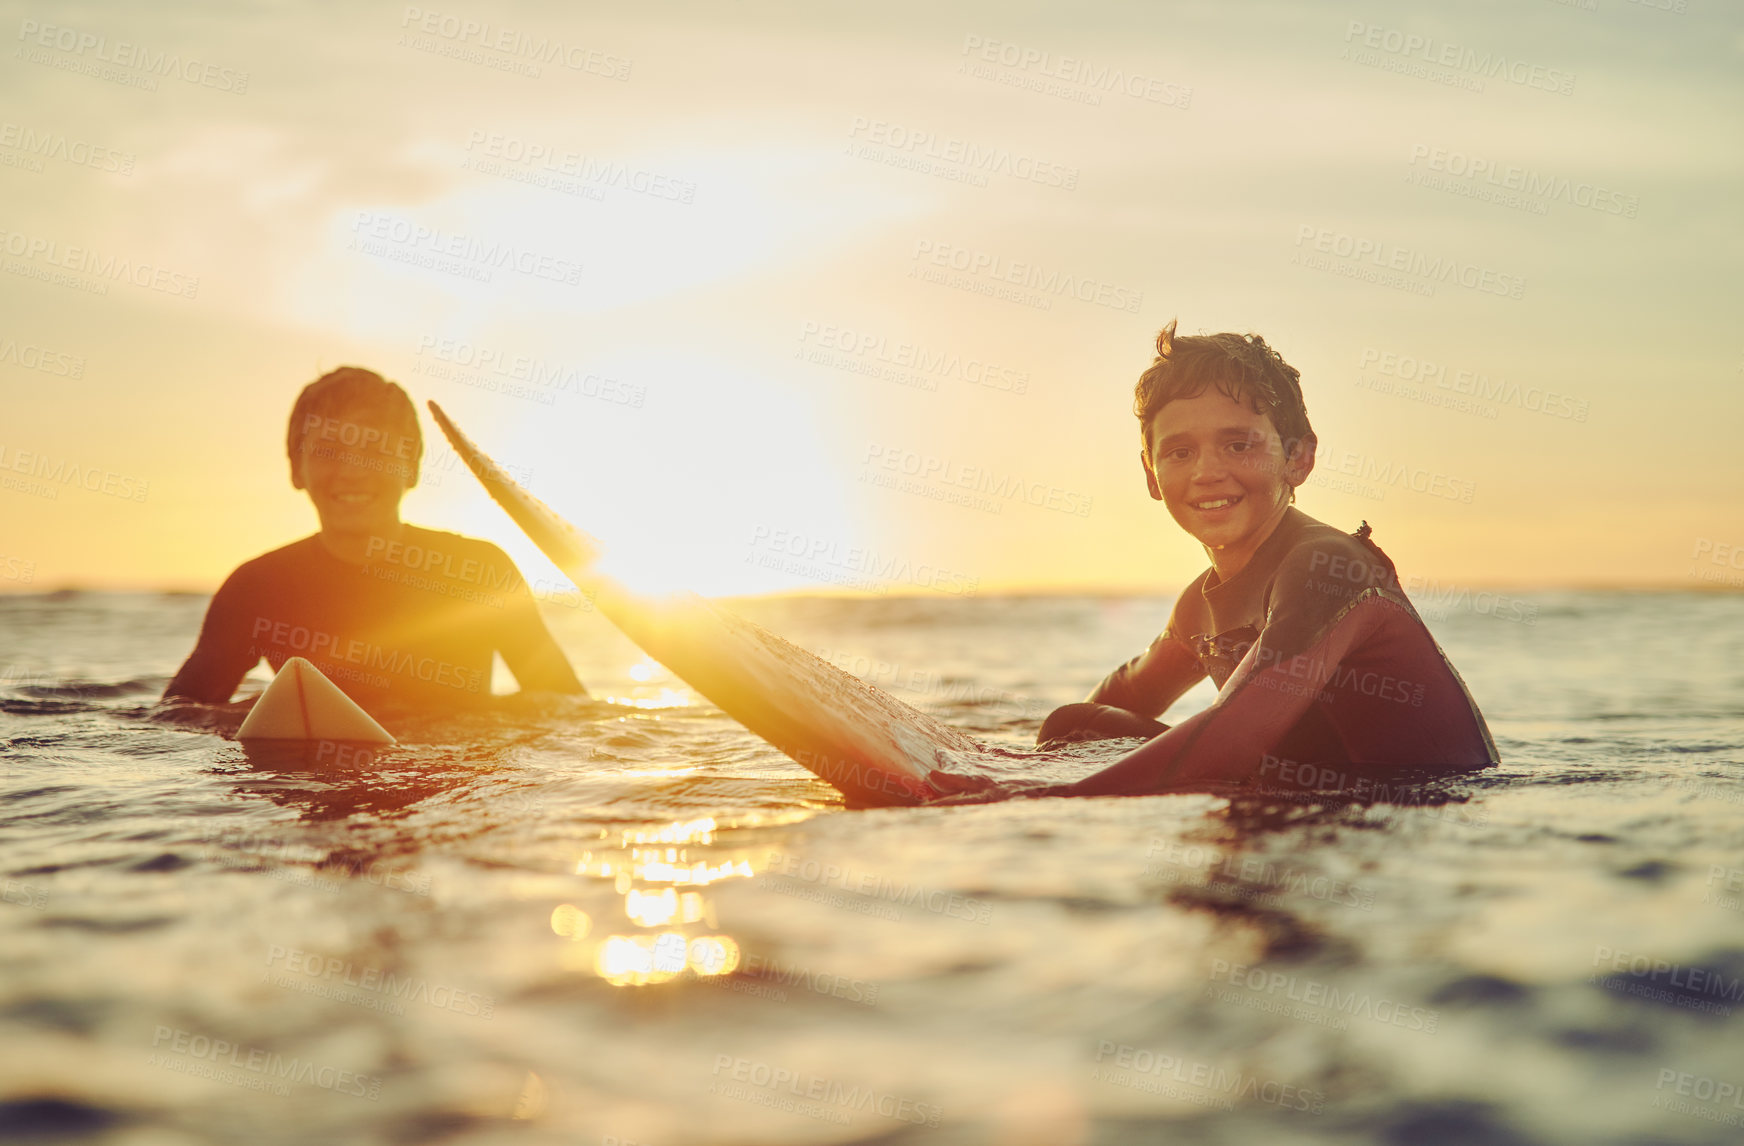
(1016, 590)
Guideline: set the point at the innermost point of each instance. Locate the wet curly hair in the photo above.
(1240, 366)
(354, 388)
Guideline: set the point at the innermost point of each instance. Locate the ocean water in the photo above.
(630, 921)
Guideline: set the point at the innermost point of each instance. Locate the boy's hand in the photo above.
(957, 788)
(1086, 720)
(960, 788)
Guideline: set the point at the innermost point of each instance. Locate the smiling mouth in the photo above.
(1214, 503)
(354, 498)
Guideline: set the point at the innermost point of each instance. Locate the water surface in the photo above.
(630, 920)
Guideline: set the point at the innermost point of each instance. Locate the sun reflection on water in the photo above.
(652, 869)
(663, 698)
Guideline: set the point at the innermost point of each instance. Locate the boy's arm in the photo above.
(225, 651)
(527, 645)
(1264, 698)
(1129, 699)
(1150, 682)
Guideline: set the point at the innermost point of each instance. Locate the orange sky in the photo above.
(750, 270)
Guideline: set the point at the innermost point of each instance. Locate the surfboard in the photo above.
(873, 748)
(302, 704)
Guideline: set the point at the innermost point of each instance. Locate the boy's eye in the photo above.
(1178, 454)
(1240, 447)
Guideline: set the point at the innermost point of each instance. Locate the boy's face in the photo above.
(356, 465)
(1221, 469)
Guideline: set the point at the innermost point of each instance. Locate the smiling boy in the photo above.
(395, 615)
(1319, 659)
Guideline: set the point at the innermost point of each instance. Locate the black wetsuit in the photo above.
(415, 626)
(1320, 662)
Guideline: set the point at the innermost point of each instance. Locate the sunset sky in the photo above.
(742, 260)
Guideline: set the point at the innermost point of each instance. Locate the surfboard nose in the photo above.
(302, 704)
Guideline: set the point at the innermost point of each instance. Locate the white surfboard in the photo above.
(302, 704)
(872, 747)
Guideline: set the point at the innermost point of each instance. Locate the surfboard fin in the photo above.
(302, 704)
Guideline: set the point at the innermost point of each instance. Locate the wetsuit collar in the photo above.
(1262, 564)
(321, 544)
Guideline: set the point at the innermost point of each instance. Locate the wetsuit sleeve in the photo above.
(527, 646)
(225, 651)
(1264, 698)
(1150, 682)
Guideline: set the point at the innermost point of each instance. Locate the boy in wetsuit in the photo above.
(1319, 659)
(395, 615)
